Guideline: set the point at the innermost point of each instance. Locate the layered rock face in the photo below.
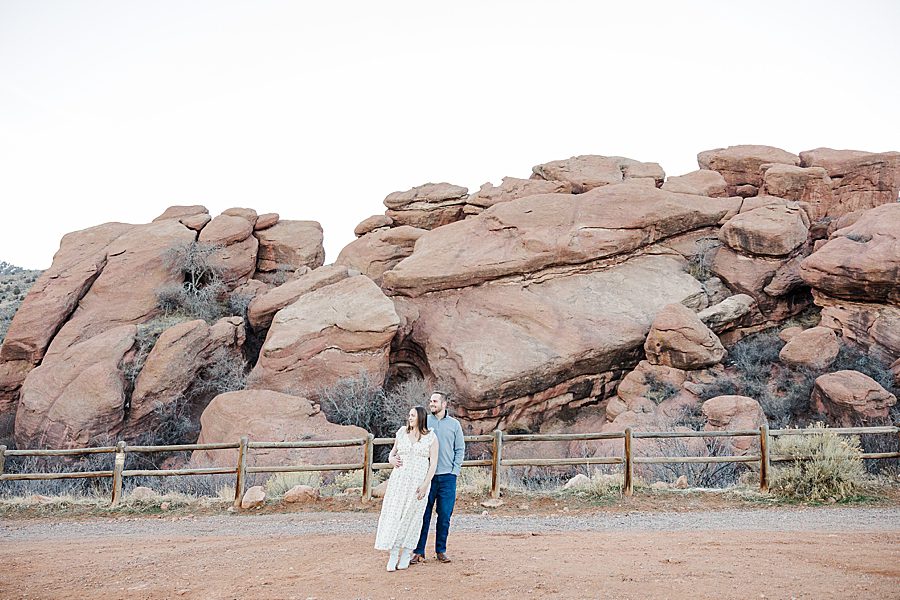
(855, 278)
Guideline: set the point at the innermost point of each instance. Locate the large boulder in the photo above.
(288, 246)
(373, 223)
(741, 165)
(872, 327)
(181, 211)
(813, 348)
(77, 397)
(81, 257)
(235, 256)
(118, 296)
(734, 413)
(517, 351)
(267, 416)
(679, 339)
(512, 188)
(335, 332)
(810, 185)
(550, 230)
(587, 172)
(378, 252)
(860, 262)
(773, 230)
(171, 370)
(851, 398)
(725, 314)
(263, 307)
(701, 183)
(427, 206)
(859, 180)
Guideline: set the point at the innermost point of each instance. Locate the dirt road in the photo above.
(814, 553)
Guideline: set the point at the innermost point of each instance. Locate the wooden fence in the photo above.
(497, 442)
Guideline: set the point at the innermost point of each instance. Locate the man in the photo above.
(451, 450)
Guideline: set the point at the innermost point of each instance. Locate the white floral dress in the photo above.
(401, 513)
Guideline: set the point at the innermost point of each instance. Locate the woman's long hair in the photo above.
(421, 421)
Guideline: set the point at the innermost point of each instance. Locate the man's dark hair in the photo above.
(444, 395)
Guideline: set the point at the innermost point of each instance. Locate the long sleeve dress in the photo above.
(401, 512)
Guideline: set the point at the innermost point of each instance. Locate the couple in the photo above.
(427, 456)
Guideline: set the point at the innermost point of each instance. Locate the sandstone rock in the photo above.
(726, 313)
(549, 230)
(226, 229)
(678, 338)
(266, 220)
(378, 252)
(429, 193)
(165, 506)
(117, 296)
(814, 348)
(681, 483)
(331, 333)
(262, 309)
(644, 382)
(380, 490)
(734, 413)
(177, 212)
(811, 185)
(373, 223)
(173, 367)
(142, 494)
(492, 503)
(245, 213)
(860, 180)
(254, 497)
(590, 171)
(872, 327)
(290, 245)
(265, 415)
(580, 480)
(78, 396)
(740, 165)
(195, 222)
(561, 329)
(767, 231)
(860, 262)
(700, 183)
(81, 258)
(12, 374)
(788, 333)
(850, 398)
(512, 188)
(301, 494)
(787, 278)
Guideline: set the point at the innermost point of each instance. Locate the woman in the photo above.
(416, 451)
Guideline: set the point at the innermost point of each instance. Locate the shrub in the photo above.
(474, 480)
(705, 475)
(832, 470)
(659, 391)
(202, 295)
(699, 263)
(358, 401)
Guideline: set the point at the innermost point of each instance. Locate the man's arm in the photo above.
(459, 449)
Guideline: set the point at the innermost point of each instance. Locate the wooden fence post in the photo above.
(369, 450)
(118, 467)
(764, 463)
(496, 457)
(240, 479)
(628, 486)
(2, 459)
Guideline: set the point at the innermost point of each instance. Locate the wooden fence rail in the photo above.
(496, 462)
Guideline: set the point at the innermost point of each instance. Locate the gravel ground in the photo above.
(810, 519)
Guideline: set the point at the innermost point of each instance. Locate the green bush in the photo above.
(831, 471)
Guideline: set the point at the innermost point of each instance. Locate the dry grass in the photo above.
(831, 472)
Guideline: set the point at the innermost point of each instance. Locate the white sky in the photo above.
(112, 111)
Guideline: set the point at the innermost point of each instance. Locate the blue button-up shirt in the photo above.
(451, 444)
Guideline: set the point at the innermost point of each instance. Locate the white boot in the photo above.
(393, 557)
(405, 556)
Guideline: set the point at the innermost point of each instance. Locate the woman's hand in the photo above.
(395, 461)
(422, 491)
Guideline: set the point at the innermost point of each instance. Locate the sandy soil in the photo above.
(795, 553)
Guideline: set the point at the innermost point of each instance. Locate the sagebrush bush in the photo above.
(359, 401)
(659, 391)
(831, 471)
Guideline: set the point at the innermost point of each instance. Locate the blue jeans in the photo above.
(442, 494)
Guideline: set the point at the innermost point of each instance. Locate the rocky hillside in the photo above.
(14, 285)
(595, 295)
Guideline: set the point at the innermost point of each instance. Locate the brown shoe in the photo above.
(416, 559)
(443, 557)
